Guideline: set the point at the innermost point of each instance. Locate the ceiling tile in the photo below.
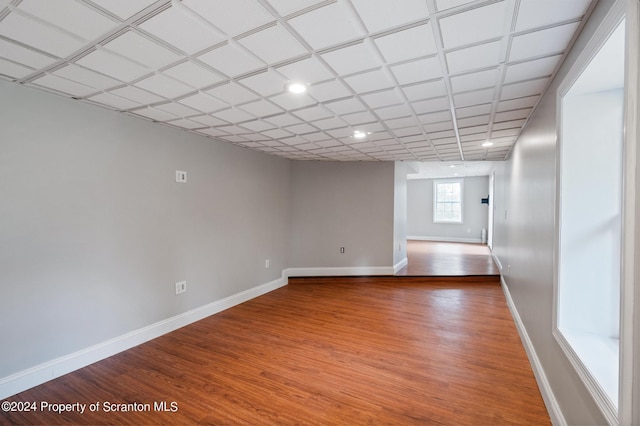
(369, 81)
(312, 26)
(543, 42)
(273, 45)
(233, 17)
(475, 25)
(448, 4)
(64, 85)
(290, 101)
(435, 117)
(525, 88)
(430, 89)
(473, 110)
(474, 81)
(431, 105)
(181, 30)
(185, 123)
(329, 90)
(382, 99)
(232, 93)
(283, 120)
(308, 70)
(113, 101)
(261, 108)
(113, 65)
(412, 72)
(287, 7)
(86, 77)
(233, 115)
(383, 14)
(14, 70)
(203, 102)
(512, 115)
(519, 103)
(474, 121)
(208, 120)
(71, 16)
(345, 106)
(539, 13)
(509, 124)
(231, 60)
(473, 98)
(38, 35)
(352, 59)
(407, 44)
(194, 75)
(123, 8)
(329, 123)
(407, 131)
(276, 133)
(176, 109)
(398, 123)
(481, 56)
(266, 83)
(23, 55)
(136, 95)
(301, 129)
(257, 125)
(359, 118)
(155, 114)
(313, 113)
(532, 69)
(215, 132)
(164, 86)
(142, 50)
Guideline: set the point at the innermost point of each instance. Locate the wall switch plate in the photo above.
(181, 177)
(181, 287)
(342, 250)
(267, 263)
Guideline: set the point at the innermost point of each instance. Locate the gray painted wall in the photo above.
(337, 204)
(524, 239)
(400, 213)
(94, 230)
(420, 211)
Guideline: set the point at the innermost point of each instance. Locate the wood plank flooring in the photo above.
(433, 258)
(339, 351)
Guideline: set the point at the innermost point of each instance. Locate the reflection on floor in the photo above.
(432, 258)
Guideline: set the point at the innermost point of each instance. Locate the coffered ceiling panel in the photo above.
(421, 80)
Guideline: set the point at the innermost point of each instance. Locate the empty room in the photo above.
(319, 212)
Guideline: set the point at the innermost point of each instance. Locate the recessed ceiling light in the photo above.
(295, 87)
(358, 134)
(487, 144)
(452, 166)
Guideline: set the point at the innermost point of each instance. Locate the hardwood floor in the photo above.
(432, 258)
(340, 351)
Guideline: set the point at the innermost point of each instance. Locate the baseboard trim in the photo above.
(445, 239)
(50, 370)
(495, 259)
(557, 418)
(404, 262)
(340, 271)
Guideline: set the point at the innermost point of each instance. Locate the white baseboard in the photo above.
(340, 271)
(404, 262)
(445, 239)
(50, 370)
(557, 418)
(495, 259)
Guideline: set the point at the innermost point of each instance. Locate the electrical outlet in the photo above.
(181, 287)
(267, 263)
(341, 250)
(181, 177)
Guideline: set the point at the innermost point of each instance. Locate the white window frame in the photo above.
(625, 411)
(435, 201)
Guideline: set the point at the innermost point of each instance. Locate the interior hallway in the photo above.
(432, 258)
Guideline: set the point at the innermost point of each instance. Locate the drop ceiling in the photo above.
(424, 80)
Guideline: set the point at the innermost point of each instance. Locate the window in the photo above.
(589, 225)
(447, 201)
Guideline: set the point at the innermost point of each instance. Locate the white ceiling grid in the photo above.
(424, 80)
